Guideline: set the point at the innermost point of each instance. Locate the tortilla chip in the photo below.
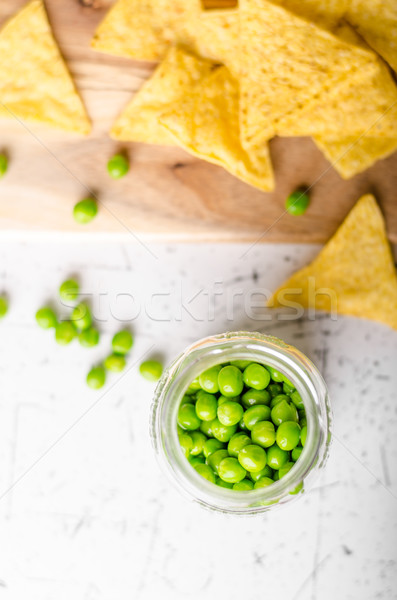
(144, 29)
(139, 121)
(326, 13)
(376, 21)
(365, 103)
(35, 84)
(350, 156)
(205, 122)
(286, 63)
(354, 274)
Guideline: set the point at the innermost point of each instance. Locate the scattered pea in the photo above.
(46, 318)
(65, 332)
(122, 342)
(114, 363)
(151, 370)
(85, 210)
(89, 337)
(296, 204)
(3, 165)
(96, 378)
(69, 290)
(3, 306)
(118, 166)
(81, 317)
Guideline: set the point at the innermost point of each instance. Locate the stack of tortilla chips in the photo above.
(232, 79)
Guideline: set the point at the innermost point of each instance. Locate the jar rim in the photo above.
(225, 347)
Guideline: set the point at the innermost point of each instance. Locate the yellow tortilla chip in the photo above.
(376, 21)
(326, 13)
(144, 29)
(139, 121)
(35, 84)
(350, 156)
(205, 122)
(286, 62)
(354, 274)
(365, 103)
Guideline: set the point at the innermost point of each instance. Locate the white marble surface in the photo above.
(85, 512)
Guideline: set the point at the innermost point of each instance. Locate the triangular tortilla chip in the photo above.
(365, 103)
(353, 155)
(35, 84)
(376, 21)
(144, 30)
(354, 274)
(286, 62)
(139, 122)
(205, 122)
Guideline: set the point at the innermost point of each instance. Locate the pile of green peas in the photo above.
(242, 425)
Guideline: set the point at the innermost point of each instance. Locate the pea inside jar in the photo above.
(242, 425)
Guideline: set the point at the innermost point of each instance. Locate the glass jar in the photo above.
(224, 348)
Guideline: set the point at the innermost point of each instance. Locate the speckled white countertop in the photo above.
(85, 512)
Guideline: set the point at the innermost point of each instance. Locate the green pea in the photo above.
(206, 428)
(242, 426)
(194, 386)
(255, 414)
(81, 317)
(303, 435)
(255, 397)
(301, 413)
(46, 318)
(187, 418)
(230, 413)
(288, 435)
(296, 204)
(276, 457)
(186, 443)
(118, 166)
(69, 290)
(298, 488)
(230, 470)
(276, 476)
(297, 400)
(122, 342)
(85, 210)
(244, 485)
(199, 440)
(206, 472)
(89, 337)
(274, 389)
(279, 398)
(223, 399)
(288, 389)
(237, 442)
(240, 364)
(252, 458)
(212, 446)
(265, 472)
(65, 332)
(215, 459)
(296, 452)
(206, 406)
(284, 411)
(3, 306)
(263, 482)
(114, 363)
(196, 460)
(209, 380)
(277, 376)
(188, 400)
(285, 469)
(223, 433)
(230, 381)
(303, 422)
(224, 484)
(256, 376)
(3, 165)
(151, 370)
(264, 434)
(96, 378)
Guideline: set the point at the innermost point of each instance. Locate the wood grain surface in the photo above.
(168, 194)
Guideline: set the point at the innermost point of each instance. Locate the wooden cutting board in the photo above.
(168, 194)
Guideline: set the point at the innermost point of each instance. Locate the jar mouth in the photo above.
(256, 347)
